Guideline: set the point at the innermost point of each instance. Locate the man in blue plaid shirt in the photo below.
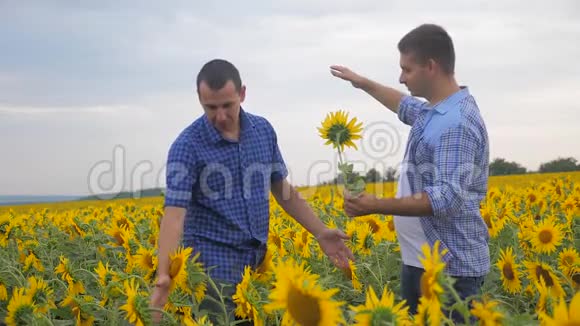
(220, 172)
(444, 174)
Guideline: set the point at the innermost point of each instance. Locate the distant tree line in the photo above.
(372, 175)
(152, 192)
(499, 166)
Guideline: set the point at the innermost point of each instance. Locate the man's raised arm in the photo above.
(387, 96)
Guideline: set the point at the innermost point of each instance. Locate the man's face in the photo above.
(414, 75)
(222, 106)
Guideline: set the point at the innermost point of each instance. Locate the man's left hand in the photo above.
(331, 242)
(363, 204)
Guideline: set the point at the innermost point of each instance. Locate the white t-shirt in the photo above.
(409, 229)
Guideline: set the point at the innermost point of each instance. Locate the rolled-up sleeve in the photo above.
(180, 174)
(279, 170)
(409, 109)
(454, 162)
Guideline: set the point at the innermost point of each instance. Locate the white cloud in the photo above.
(84, 79)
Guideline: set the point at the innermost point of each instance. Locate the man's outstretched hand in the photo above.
(332, 243)
(344, 73)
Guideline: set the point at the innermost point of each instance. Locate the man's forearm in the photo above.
(299, 209)
(170, 233)
(415, 205)
(387, 96)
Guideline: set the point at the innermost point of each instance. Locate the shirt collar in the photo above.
(246, 126)
(450, 102)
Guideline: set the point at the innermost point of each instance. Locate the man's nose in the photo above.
(221, 114)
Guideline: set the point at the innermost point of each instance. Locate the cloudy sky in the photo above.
(92, 87)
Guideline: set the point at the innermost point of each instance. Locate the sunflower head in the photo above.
(567, 259)
(32, 261)
(146, 261)
(105, 274)
(564, 315)
(64, 269)
(433, 257)
(136, 307)
(21, 308)
(365, 239)
(547, 236)
(487, 311)
(376, 311)
(3, 292)
(538, 271)
(296, 290)
(390, 232)
(177, 266)
(432, 279)
(40, 293)
(247, 296)
(339, 131)
(196, 282)
(350, 273)
(575, 277)
(429, 312)
(264, 270)
(510, 275)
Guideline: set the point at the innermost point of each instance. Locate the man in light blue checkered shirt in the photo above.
(220, 172)
(445, 171)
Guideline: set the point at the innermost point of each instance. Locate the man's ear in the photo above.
(242, 93)
(431, 65)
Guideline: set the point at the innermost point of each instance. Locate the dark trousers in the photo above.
(411, 289)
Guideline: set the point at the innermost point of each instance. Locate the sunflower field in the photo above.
(89, 263)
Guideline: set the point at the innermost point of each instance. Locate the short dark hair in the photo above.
(430, 41)
(216, 73)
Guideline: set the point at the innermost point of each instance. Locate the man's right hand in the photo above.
(344, 73)
(160, 295)
(387, 96)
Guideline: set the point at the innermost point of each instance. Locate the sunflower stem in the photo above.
(463, 308)
(221, 298)
(57, 280)
(339, 155)
(45, 318)
(89, 273)
(379, 265)
(378, 279)
(17, 279)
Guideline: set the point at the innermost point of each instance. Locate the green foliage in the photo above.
(373, 176)
(500, 166)
(560, 165)
(354, 183)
